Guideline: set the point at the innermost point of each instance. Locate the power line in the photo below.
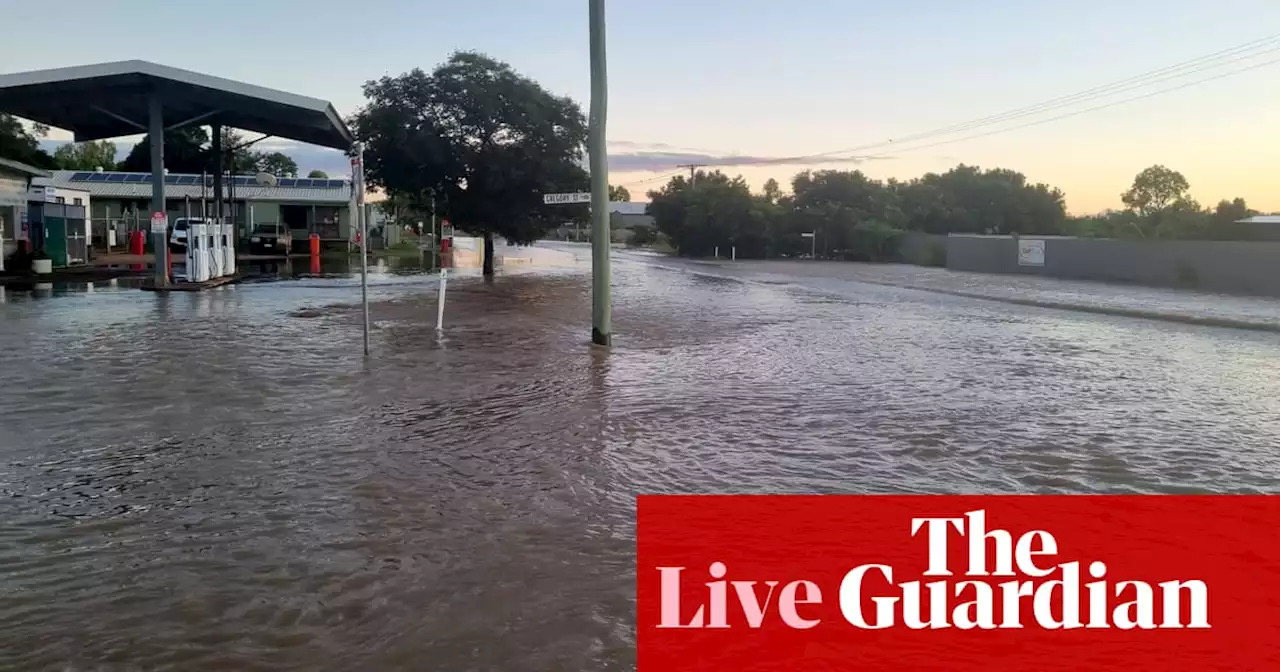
(1193, 66)
(652, 179)
(1090, 109)
(1183, 69)
(693, 168)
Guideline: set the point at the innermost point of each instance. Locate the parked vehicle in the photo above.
(271, 239)
(178, 234)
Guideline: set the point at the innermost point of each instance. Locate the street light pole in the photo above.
(601, 310)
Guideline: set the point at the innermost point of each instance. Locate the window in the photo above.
(79, 201)
(62, 200)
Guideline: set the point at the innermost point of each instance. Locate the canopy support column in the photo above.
(160, 239)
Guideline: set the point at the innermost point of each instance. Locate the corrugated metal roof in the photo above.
(142, 190)
(625, 208)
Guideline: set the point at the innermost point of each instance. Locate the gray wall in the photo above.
(924, 249)
(1216, 266)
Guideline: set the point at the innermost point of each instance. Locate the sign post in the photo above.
(566, 198)
(813, 243)
(357, 186)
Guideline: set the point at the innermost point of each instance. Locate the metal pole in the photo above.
(155, 109)
(813, 246)
(440, 302)
(216, 131)
(601, 310)
(435, 240)
(357, 183)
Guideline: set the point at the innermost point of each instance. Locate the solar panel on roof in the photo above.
(189, 179)
(80, 177)
(337, 184)
(116, 177)
(97, 177)
(287, 182)
(170, 179)
(136, 177)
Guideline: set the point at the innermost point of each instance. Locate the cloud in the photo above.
(657, 157)
(624, 156)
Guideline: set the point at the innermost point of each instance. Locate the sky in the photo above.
(696, 80)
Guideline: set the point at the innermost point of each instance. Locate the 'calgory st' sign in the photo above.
(561, 199)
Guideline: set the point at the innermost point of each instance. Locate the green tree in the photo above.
(487, 141)
(1155, 189)
(19, 144)
(772, 192)
(1230, 212)
(619, 194)
(276, 163)
(318, 174)
(714, 211)
(86, 156)
(184, 152)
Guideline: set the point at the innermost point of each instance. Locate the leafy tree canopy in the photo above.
(318, 174)
(482, 139)
(1156, 189)
(276, 163)
(17, 143)
(185, 151)
(619, 194)
(86, 156)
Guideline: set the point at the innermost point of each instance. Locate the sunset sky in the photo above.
(749, 78)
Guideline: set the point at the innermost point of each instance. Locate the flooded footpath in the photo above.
(222, 481)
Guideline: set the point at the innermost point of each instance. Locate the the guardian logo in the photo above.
(1007, 583)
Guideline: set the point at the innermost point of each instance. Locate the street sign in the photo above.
(562, 199)
(806, 235)
(159, 222)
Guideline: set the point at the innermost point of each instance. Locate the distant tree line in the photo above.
(855, 217)
(850, 215)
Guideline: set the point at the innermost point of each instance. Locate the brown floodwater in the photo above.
(221, 481)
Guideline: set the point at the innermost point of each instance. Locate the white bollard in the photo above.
(440, 303)
(717, 253)
(734, 251)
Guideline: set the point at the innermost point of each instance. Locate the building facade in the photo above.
(122, 201)
(15, 183)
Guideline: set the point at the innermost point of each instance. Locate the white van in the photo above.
(178, 233)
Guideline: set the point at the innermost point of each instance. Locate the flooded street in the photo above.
(221, 481)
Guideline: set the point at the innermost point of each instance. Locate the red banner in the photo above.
(1039, 583)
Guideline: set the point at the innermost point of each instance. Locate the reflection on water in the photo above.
(221, 481)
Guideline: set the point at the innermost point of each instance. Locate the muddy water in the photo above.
(220, 481)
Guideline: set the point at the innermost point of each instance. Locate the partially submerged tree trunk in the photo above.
(488, 254)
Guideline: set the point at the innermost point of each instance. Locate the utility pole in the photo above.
(693, 170)
(357, 187)
(601, 310)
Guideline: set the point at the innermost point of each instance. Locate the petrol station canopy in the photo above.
(110, 100)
